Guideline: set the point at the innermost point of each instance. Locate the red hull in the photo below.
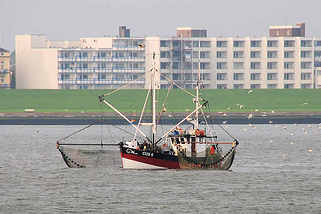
(151, 161)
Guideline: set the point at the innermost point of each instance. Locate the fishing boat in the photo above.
(194, 147)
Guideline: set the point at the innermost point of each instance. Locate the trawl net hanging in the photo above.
(81, 158)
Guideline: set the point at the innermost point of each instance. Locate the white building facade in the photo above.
(224, 63)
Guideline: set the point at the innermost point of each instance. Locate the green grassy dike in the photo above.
(278, 100)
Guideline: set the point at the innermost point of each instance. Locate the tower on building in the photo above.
(288, 31)
(124, 32)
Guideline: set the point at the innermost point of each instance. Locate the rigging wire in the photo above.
(124, 86)
(223, 127)
(68, 136)
(164, 102)
(101, 124)
(176, 84)
(142, 113)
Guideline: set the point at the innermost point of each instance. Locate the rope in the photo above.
(141, 115)
(165, 101)
(173, 82)
(114, 91)
(101, 124)
(226, 132)
(206, 123)
(224, 128)
(127, 132)
(64, 138)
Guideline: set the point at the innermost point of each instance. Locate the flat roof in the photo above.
(284, 27)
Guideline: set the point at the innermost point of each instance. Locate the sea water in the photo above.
(277, 169)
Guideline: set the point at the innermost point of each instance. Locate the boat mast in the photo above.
(153, 82)
(196, 126)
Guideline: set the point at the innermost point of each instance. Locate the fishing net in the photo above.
(89, 157)
(209, 161)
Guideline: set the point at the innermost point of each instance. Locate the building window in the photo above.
(255, 54)
(83, 55)
(187, 44)
(272, 65)
(164, 65)
(165, 54)
(288, 54)
(65, 76)
(205, 44)
(64, 55)
(317, 64)
(187, 65)
(288, 76)
(306, 65)
(288, 65)
(272, 76)
(307, 85)
(271, 85)
(195, 65)
(177, 76)
(204, 54)
(221, 86)
(288, 85)
(238, 44)
(272, 43)
(204, 65)
(238, 86)
(101, 76)
(238, 54)
(238, 76)
(164, 43)
(305, 76)
(255, 86)
(221, 65)
(317, 43)
(221, 54)
(176, 54)
(306, 43)
(102, 65)
(289, 43)
(255, 76)
(221, 44)
(255, 65)
(221, 76)
(196, 44)
(238, 65)
(188, 76)
(82, 76)
(176, 43)
(187, 55)
(196, 55)
(255, 43)
(306, 54)
(176, 65)
(101, 54)
(317, 54)
(272, 54)
(205, 76)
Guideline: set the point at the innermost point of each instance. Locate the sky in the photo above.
(73, 19)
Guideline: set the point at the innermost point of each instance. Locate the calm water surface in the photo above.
(277, 170)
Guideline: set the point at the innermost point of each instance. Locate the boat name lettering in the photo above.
(129, 151)
(148, 154)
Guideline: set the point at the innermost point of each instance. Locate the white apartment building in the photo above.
(224, 63)
(93, 63)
